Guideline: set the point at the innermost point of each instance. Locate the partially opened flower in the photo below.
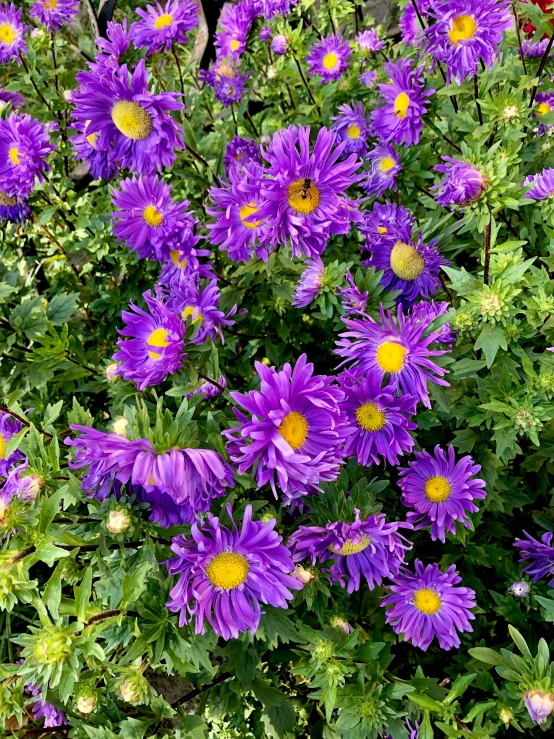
(226, 80)
(210, 388)
(430, 604)
(201, 306)
(462, 184)
(41, 708)
(369, 40)
(329, 57)
(279, 44)
(542, 185)
(373, 549)
(225, 575)
(384, 166)
(353, 300)
(55, 13)
(538, 556)
(22, 483)
(540, 705)
(12, 33)
(118, 39)
(24, 148)
(12, 98)
(9, 427)
(161, 26)
(386, 224)
(240, 152)
(309, 284)
(441, 490)
(352, 126)
(368, 78)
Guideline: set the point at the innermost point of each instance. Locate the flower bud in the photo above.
(520, 588)
(86, 703)
(118, 521)
(505, 715)
(31, 485)
(120, 426)
(340, 623)
(133, 689)
(67, 95)
(111, 372)
(304, 576)
(279, 44)
(53, 645)
(539, 704)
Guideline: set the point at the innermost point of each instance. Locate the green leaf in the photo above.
(82, 595)
(46, 214)
(279, 720)
(50, 506)
(52, 412)
(490, 340)
(459, 686)
(425, 728)
(193, 727)
(425, 703)
(52, 594)
(48, 552)
(133, 585)
(520, 642)
(61, 308)
(488, 656)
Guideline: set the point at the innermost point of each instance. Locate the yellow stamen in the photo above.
(174, 255)
(390, 356)
(353, 131)
(401, 105)
(248, 210)
(195, 313)
(303, 199)
(50, 4)
(386, 164)
(13, 154)
(543, 109)
(157, 338)
(463, 28)
(437, 489)
(2, 447)
(406, 262)
(382, 229)
(163, 21)
(224, 71)
(427, 601)
(349, 547)
(227, 570)
(152, 216)
(7, 34)
(235, 45)
(370, 417)
(294, 429)
(330, 61)
(133, 121)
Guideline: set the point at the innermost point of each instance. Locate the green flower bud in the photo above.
(462, 321)
(53, 645)
(86, 700)
(133, 688)
(118, 521)
(505, 715)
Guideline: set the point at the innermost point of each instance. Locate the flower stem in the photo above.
(174, 52)
(514, 10)
(487, 252)
(476, 92)
(304, 80)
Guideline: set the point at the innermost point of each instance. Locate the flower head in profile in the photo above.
(430, 604)
(329, 58)
(377, 426)
(240, 152)
(410, 24)
(384, 225)
(227, 574)
(373, 549)
(542, 185)
(369, 41)
(55, 13)
(353, 299)
(538, 556)
(400, 118)
(291, 435)
(539, 704)
(209, 388)
(9, 427)
(14, 209)
(352, 126)
(465, 31)
(118, 40)
(201, 306)
(368, 78)
(152, 347)
(395, 350)
(462, 184)
(427, 312)
(160, 26)
(441, 490)
(100, 161)
(280, 44)
(12, 98)
(384, 166)
(41, 708)
(22, 483)
(12, 33)
(309, 284)
(24, 148)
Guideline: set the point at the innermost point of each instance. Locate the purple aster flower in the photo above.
(130, 122)
(353, 300)
(369, 41)
(21, 484)
(540, 705)
(118, 39)
(414, 730)
(462, 185)
(146, 215)
(372, 548)
(209, 389)
(153, 348)
(226, 80)
(100, 162)
(279, 45)
(305, 193)
(377, 422)
(427, 312)
(352, 126)
(41, 708)
(182, 262)
(9, 427)
(188, 301)
(412, 268)
(386, 224)
(544, 103)
(542, 185)
(160, 27)
(329, 57)
(265, 33)
(539, 556)
(24, 148)
(309, 284)
(55, 13)
(240, 152)
(224, 574)
(14, 98)
(292, 437)
(12, 33)
(409, 23)
(384, 166)
(235, 21)
(395, 350)
(368, 78)
(14, 209)
(271, 8)
(399, 119)
(465, 31)
(520, 588)
(428, 604)
(440, 490)
(534, 50)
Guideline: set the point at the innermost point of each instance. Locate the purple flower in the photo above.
(9, 427)
(12, 33)
(146, 215)
(305, 193)
(181, 264)
(271, 8)
(377, 422)
(409, 23)
(130, 122)
(386, 224)
(369, 40)
(309, 284)
(188, 301)
(226, 80)
(118, 40)
(265, 33)
(395, 350)
(235, 21)
(412, 268)
(368, 78)
(465, 31)
(540, 705)
(542, 185)
(21, 485)
(520, 588)
(427, 312)
(414, 730)
(209, 389)
(353, 300)
(55, 13)
(41, 708)
(352, 126)
(14, 98)
(292, 437)
(539, 556)
(440, 490)
(154, 345)
(279, 45)
(372, 548)
(384, 166)
(462, 185)
(240, 152)
(24, 148)
(329, 57)
(225, 573)
(428, 604)
(14, 209)
(399, 119)
(100, 162)
(160, 27)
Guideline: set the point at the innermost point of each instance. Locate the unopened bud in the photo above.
(86, 704)
(111, 372)
(303, 575)
(505, 715)
(120, 426)
(118, 521)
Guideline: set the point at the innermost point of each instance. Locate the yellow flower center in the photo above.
(382, 229)
(405, 261)
(191, 311)
(6, 200)
(294, 429)
(174, 255)
(349, 547)
(370, 417)
(224, 71)
(401, 105)
(386, 164)
(303, 196)
(330, 61)
(248, 210)
(427, 601)
(353, 131)
(13, 154)
(157, 338)
(235, 45)
(543, 109)
(227, 570)
(163, 21)
(2, 447)
(131, 120)
(7, 34)
(152, 216)
(463, 29)
(390, 356)
(437, 489)
(50, 4)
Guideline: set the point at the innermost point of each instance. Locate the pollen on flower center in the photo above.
(248, 210)
(370, 417)
(382, 229)
(6, 199)
(131, 120)
(437, 489)
(427, 601)
(235, 45)
(191, 311)
(353, 131)
(225, 71)
(405, 261)
(157, 338)
(152, 216)
(350, 547)
(174, 255)
(543, 109)
(227, 570)
(303, 196)
(2, 447)
(391, 356)
(50, 4)
(7, 34)
(294, 429)
(330, 60)
(163, 21)
(13, 154)
(401, 105)
(463, 28)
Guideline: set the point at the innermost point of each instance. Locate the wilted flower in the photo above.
(309, 284)
(462, 185)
